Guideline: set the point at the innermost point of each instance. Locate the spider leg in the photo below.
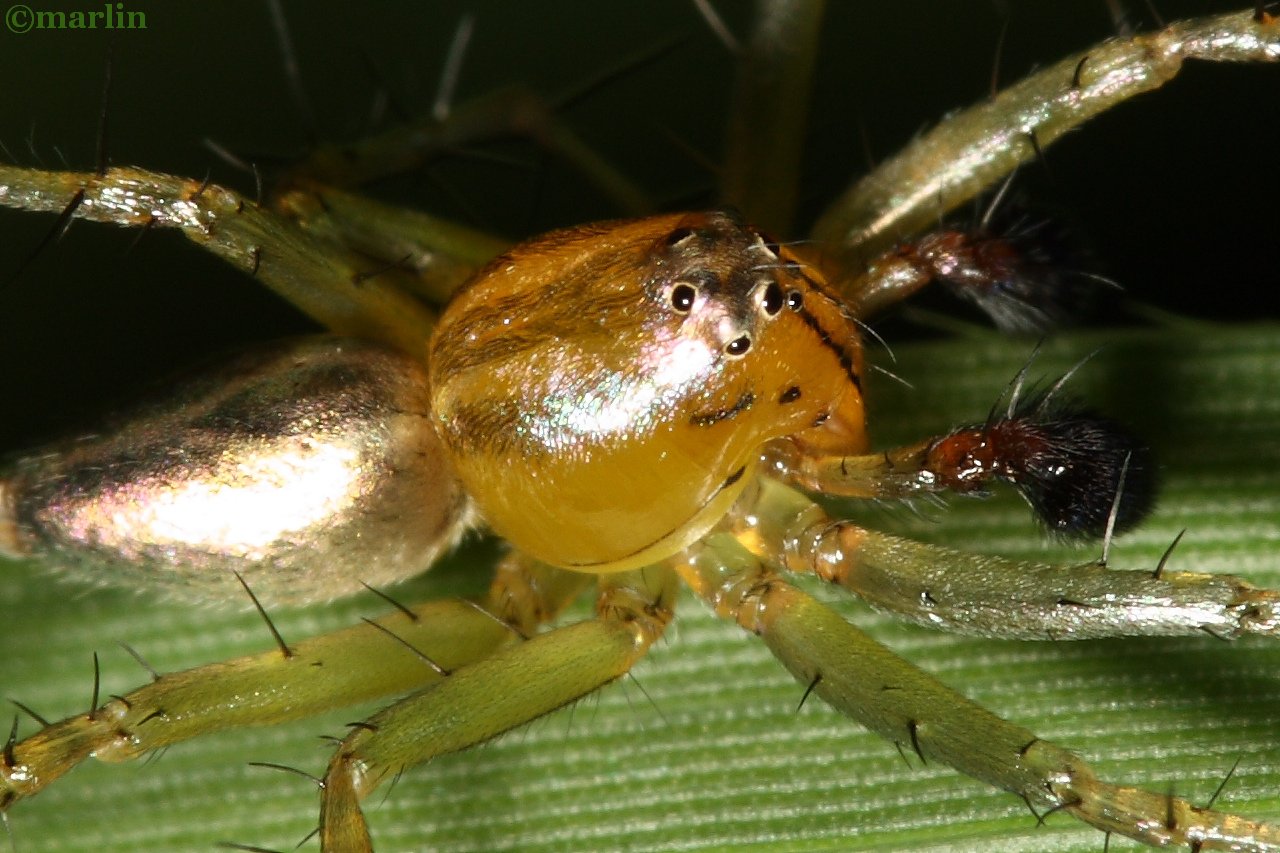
(890, 696)
(995, 597)
(402, 651)
(770, 113)
(1024, 278)
(438, 254)
(977, 147)
(481, 701)
(350, 263)
(324, 280)
(509, 112)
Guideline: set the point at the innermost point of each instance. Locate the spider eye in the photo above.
(795, 300)
(738, 347)
(771, 299)
(683, 296)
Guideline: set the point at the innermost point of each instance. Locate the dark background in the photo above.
(1178, 192)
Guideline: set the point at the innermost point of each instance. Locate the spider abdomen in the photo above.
(306, 466)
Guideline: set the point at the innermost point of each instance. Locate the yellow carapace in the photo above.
(658, 354)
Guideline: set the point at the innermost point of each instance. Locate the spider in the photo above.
(652, 732)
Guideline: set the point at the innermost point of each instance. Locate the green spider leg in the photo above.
(890, 696)
(488, 698)
(411, 648)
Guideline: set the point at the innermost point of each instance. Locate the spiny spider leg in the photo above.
(341, 668)
(887, 694)
(507, 113)
(314, 274)
(485, 699)
(996, 597)
(974, 149)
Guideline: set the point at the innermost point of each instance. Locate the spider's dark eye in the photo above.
(795, 300)
(738, 346)
(771, 300)
(682, 297)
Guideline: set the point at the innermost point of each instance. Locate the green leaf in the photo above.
(705, 749)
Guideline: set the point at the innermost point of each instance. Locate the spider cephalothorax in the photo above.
(656, 354)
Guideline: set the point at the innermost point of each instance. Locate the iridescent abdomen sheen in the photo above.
(308, 467)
